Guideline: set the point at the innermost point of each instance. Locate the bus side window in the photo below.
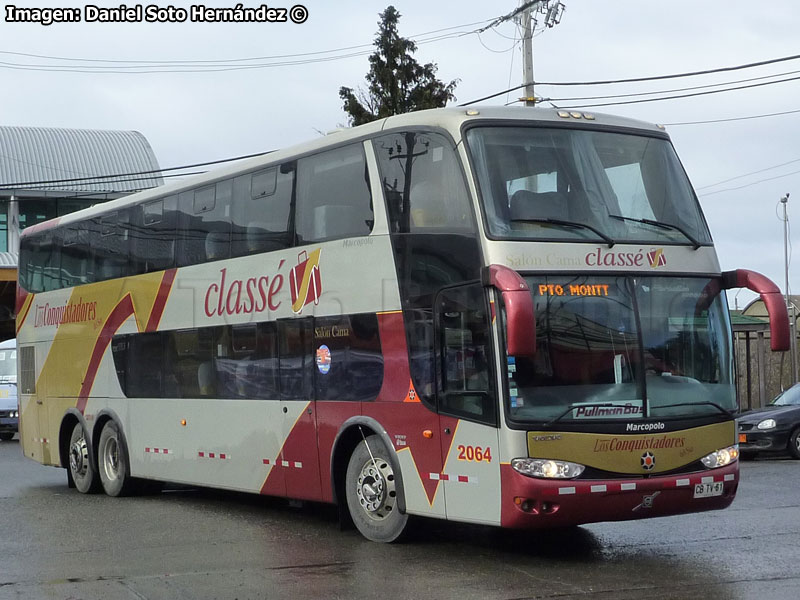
(25, 268)
(76, 258)
(333, 196)
(251, 368)
(153, 235)
(145, 365)
(261, 211)
(109, 241)
(50, 255)
(294, 337)
(204, 220)
(423, 183)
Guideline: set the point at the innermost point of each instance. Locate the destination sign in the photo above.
(596, 289)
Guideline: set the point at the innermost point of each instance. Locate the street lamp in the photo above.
(789, 304)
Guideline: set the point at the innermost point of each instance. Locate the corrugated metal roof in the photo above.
(40, 154)
(8, 260)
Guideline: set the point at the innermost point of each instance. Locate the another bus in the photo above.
(512, 317)
(9, 405)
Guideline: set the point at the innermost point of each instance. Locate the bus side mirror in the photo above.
(772, 298)
(518, 302)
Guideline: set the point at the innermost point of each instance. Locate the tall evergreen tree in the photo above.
(397, 83)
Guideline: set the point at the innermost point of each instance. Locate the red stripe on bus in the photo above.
(396, 376)
(22, 296)
(161, 299)
(118, 316)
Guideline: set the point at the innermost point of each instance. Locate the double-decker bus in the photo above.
(512, 317)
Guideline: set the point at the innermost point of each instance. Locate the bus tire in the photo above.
(112, 461)
(81, 469)
(371, 492)
(6, 436)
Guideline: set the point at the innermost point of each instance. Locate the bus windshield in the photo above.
(8, 365)
(571, 184)
(625, 348)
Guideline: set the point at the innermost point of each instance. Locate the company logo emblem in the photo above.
(323, 359)
(647, 501)
(305, 280)
(656, 258)
(648, 461)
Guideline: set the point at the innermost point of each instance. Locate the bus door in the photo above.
(467, 405)
(299, 456)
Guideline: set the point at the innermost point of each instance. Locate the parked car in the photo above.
(9, 406)
(774, 428)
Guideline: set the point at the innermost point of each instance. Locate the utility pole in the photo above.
(789, 303)
(527, 57)
(552, 11)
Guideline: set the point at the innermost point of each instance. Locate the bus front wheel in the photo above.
(371, 492)
(113, 462)
(81, 469)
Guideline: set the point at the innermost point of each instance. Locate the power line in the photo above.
(229, 60)
(674, 75)
(87, 180)
(706, 93)
(750, 184)
(762, 116)
(509, 16)
(684, 89)
(748, 174)
(82, 194)
(214, 66)
(494, 95)
(493, 50)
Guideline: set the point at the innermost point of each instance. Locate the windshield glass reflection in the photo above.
(568, 184)
(624, 347)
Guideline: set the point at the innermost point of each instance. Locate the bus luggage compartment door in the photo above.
(299, 456)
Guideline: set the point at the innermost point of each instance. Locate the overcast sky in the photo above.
(200, 116)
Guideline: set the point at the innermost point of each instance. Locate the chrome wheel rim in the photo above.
(375, 489)
(111, 459)
(79, 458)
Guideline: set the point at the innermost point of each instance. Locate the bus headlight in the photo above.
(547, 469)
(767, 424)
(720, 458)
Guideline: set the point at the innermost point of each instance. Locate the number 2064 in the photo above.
(474, 453)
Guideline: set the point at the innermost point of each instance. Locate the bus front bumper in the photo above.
(7, 422)
(530, 503)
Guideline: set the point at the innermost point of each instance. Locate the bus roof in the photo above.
(450, 119)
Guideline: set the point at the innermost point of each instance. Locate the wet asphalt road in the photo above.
(57, 543)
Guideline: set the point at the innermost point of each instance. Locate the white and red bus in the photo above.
(513, 317)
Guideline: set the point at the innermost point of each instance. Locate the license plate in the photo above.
(708, 490)
(742, 438)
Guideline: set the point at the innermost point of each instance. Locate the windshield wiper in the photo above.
(660, 224)
(608, 240)
(706, 403)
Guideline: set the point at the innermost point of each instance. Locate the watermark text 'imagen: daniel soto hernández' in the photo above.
(154, 13)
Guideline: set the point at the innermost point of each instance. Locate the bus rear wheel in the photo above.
(371, 491)
(81, 469)
(112, 461)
